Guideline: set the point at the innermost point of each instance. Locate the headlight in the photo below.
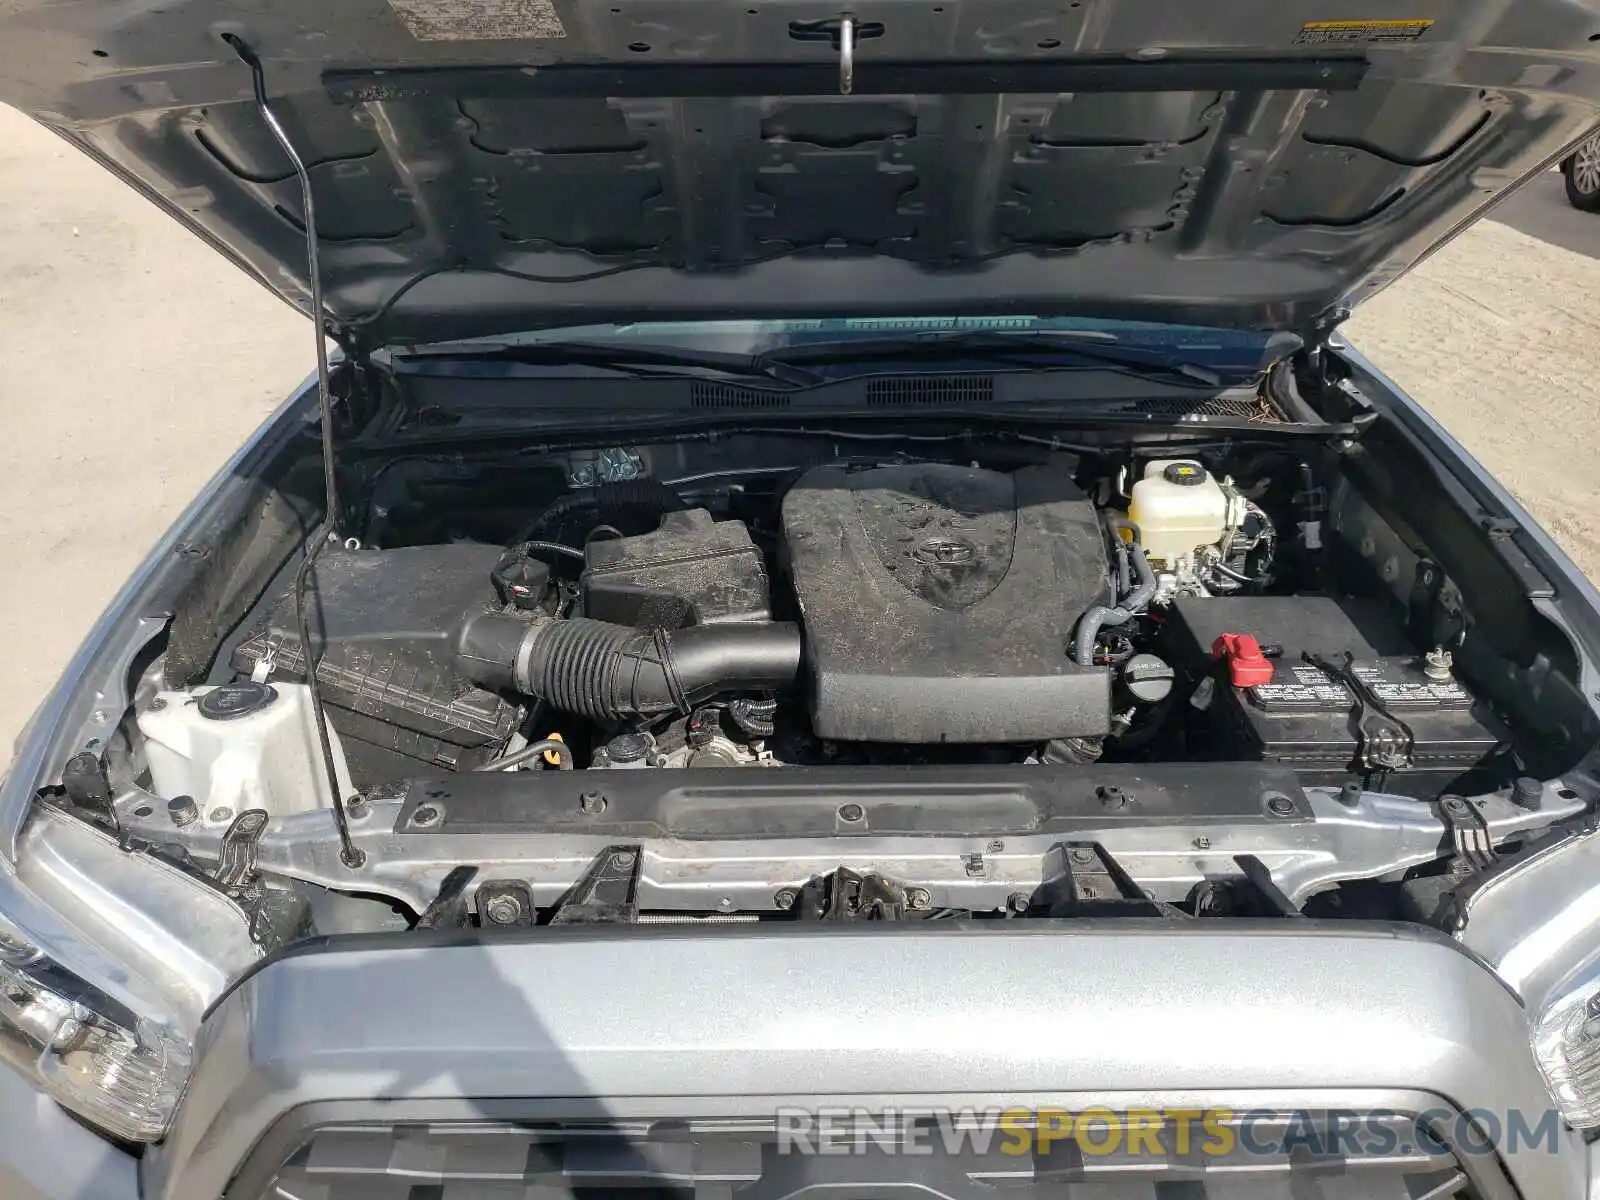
(92, 1054)
(108, 960)
(1566, 1043)
(109, 956)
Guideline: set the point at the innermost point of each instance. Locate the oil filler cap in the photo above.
(234, 700)
(1148, 678)
(629, 747)
(1185, 474)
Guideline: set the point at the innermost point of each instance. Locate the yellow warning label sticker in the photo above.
(1339, 33)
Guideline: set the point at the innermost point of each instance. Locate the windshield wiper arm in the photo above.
(625, 357)
(1088, 347)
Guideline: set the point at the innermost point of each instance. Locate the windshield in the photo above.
(1224, 350)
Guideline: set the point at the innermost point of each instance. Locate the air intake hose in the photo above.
(607, 672)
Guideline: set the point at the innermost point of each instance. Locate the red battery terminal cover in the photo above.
(1247, 665)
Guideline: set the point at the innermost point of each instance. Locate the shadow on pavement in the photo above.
(1540, 209)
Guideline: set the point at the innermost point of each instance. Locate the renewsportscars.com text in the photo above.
(1164, 1132)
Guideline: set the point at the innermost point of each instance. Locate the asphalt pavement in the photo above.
(1541, 211)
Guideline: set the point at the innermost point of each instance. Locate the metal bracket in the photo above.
(1081, 879)
(1469, 832)
(237, 863)
(237, 875)
(607, 893)
(610, 464)
(846, 895)
(449, 908)
(84, 780)
(1252, 893)
(1259, 876)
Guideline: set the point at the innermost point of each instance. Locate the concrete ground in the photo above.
(133, 360)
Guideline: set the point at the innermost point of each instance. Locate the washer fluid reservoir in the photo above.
(240, 746)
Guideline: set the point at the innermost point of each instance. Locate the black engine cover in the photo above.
(939, 602)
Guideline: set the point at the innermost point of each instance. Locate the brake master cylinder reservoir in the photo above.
(239, 746)
(1178, 507)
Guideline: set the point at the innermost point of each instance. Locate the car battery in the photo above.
(1360, 704)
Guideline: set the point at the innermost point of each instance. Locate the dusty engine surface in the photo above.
(938, 603)
(691, 570)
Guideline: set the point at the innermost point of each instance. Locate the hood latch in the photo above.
(847, 53)
(845, 31)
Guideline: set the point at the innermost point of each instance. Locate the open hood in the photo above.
(485, 166)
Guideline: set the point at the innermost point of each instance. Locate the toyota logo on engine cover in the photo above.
(943, 552)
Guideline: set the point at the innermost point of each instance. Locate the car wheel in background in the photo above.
(1582, 173)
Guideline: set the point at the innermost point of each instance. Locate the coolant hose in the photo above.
(1135, 602)
(607, 672)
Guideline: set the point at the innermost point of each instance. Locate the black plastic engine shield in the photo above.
(939, 603)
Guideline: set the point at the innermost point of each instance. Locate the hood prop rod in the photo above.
(349, 854)
(258, 81)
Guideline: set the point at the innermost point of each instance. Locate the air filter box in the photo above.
(383, 621)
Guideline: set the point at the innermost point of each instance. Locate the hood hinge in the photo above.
(1317, 332)
(320, 323)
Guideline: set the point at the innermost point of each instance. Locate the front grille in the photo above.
(727, 1160)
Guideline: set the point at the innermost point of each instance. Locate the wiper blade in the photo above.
(623, 357)
(1092, 348)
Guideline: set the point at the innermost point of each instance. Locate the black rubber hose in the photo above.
(532, 750)
(643, 500)
(633, 502)
(608, 672)
(1124, 570)
(1119, 525)
(550, 516)
(754, 717)
(550, 548)
(1135, 602)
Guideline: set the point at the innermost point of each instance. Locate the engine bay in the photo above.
(979, 677)
(870, 612)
